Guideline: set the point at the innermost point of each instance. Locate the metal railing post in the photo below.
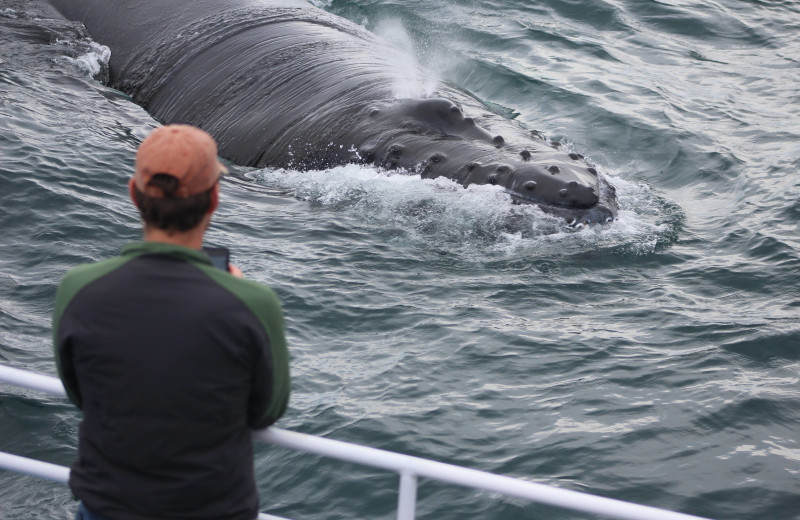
(407, 496)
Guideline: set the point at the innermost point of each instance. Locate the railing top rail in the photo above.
(32, 381)
(407, 464)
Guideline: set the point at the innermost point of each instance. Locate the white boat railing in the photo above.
(409, 468)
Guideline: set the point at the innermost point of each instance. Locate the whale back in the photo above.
(185, 65)
(289, 85)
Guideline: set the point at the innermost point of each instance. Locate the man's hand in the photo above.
(235, 271)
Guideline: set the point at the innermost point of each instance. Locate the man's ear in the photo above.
(214, 198)
(132, 191)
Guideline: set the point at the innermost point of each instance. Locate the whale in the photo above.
(288, 85)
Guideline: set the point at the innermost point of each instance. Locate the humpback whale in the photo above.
(285, 84)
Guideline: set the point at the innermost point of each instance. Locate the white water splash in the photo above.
(96, 60)
(477, 221)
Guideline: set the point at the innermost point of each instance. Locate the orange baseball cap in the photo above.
(182, 151)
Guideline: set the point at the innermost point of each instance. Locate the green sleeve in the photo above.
(270, 394)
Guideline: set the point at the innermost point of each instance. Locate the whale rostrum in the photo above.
(284, 84)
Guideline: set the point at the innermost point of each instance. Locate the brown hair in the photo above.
(172, 213)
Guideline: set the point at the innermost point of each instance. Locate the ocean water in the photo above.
(655, 360)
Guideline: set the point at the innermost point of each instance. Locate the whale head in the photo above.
(434, 138)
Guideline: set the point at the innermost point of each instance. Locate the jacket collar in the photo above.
(161, 248)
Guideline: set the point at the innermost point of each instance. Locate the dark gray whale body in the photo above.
(285, 84)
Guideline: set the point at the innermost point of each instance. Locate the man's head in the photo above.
(175, 185)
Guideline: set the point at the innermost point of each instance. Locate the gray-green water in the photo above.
(656, 360)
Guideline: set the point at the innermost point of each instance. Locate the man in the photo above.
(172, 361)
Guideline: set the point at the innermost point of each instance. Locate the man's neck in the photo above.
(192, 239)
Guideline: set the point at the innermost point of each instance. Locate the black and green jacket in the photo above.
(172, 362)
